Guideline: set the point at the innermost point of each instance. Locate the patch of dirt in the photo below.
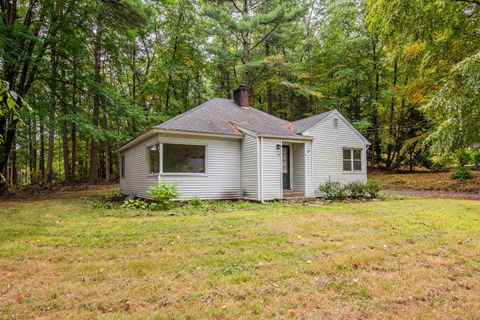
(39, 192)
(435, 194)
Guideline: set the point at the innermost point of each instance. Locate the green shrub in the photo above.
(135, 204)
(461, 173)
(103, 205)
(355, 189)
(475, 156)
(195, 202)
(163, 193)
(373, 187)
(332, 190)
(463, 158)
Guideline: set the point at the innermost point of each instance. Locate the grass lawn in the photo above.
(397, 258)
(441, 181)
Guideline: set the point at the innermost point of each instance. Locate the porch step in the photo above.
(292, 194)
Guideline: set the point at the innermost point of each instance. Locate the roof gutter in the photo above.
(153, 131)
(303, 138)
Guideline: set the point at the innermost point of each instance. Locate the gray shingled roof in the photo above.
(224, 116)
(305, 124)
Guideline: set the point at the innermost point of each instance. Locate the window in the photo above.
(154, 159)
(352, 159)
(122, 166)
(335, 123)
(182, 158)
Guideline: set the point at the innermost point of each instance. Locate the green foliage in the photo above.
(163, 193)
(461, 173)
(195, 202)
(372, 188)
(135, 204)
(355, 189)
(333, 190)
(475, 157)
(103, 205)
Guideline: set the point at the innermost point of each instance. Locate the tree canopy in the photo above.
(79, 78)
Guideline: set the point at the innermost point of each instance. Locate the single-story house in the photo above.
(224, 149)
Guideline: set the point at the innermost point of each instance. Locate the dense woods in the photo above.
(79, 78)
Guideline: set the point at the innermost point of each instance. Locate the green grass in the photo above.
(397, 258)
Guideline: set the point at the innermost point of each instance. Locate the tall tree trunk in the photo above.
(41, 162)
(96, 107)
(391, 116)
(63, 105)
(269, 86)
(73, 128)
(51, 129)
(13, 178)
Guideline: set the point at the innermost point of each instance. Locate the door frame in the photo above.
(290, 166)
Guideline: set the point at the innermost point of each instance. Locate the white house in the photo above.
(224, 149)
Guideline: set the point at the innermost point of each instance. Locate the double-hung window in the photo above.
(352, 160)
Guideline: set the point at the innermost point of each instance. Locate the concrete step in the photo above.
(292, 194)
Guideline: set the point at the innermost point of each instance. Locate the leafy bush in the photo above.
(135, 204)
(461, 173)
(475, 156)
(332, 190)
(355, 189)
(373, 187)
(195, 202)
(463, 158)
(163, 193)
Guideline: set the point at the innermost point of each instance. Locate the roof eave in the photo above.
(153, 131)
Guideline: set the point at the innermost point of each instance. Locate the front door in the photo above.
(286, 166)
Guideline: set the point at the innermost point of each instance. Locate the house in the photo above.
(224, 149)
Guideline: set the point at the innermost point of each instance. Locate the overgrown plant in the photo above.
(373, 187)
(355, 189)
(333, 190)
(135, 204)
(461, 173)
(163, 193)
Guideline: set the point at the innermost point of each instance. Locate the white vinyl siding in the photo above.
(271, 169)
(249, 167)
(328, 145)
(298, 163)
(137, 180)
(309, 178)
(221, 180)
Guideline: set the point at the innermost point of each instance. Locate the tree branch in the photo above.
(265, 37)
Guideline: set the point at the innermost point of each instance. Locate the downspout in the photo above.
(261, 169)
(312, 173)
(258, 168)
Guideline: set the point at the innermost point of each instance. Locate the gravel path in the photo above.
(435, 194)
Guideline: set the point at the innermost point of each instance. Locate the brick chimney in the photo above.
(240, 96)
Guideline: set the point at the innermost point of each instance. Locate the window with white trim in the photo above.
(183, 158)
(154, 159)
(352, 160)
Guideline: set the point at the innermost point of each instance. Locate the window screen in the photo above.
(347, 160)
(352, 160)
(183, 158)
